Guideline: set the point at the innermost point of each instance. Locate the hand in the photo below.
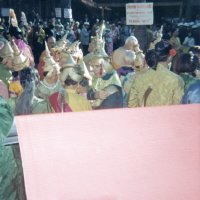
(101, 95)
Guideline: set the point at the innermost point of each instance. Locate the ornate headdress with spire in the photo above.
(19, 60)
(50, 64)
(5, 49)
(23, 18)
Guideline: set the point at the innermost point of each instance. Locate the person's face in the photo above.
(51, 42)
(97, 69)
(62, 61)
(54, 76)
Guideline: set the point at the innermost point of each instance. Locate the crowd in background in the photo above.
(49, 67)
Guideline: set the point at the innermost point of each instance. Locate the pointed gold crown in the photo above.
(73, 47)
(72, 73)
(86, 73)
(70, 62)
(5, 49)
(101, 30)
(19, 60)
(63, 42)
(100, 51)
(50, 63)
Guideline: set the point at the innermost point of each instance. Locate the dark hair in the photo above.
(15, 74)
(45, 73)
(84, 82)
(16, 32)
(162, 50)
(195, 49)
(186, 62)
(69, 81)
(151, 58)
(27, 75)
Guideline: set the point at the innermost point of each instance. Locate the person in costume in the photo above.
(55, 49)
(132, 44)
(16, 34)
(106, 91)
(75, 85)
(51, 83)
(158, 85)
(19, 62)
(6, 55)
(27, 102)
(15, 87)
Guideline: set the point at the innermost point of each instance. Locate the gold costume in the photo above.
(167, 88)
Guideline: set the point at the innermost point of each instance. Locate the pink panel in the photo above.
(122, 154)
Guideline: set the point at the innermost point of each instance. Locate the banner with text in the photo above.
(58, 12)
(139, 13)
(68, 13)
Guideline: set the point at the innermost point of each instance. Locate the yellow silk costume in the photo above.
(167, 88)
(77, 102)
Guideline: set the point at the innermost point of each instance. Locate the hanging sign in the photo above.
(139, 13)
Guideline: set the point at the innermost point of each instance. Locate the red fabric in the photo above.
(40, 69)
(54, 101)
(122, 154)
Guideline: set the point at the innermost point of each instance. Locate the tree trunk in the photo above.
(141, 32)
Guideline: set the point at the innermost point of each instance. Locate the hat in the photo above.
(86, 73)
(62, 42)
(19, 60)
(70, 62)
(5, 48)
(75, 73)
(100, 50)
(50, 64)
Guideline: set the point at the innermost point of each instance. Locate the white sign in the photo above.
(58, 12)
(139, 13)
(68, 13)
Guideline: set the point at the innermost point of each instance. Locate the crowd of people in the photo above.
(48, 68)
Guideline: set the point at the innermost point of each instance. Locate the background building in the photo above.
(109, 9)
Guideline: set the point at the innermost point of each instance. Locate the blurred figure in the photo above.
(192, 94)
(185, 66)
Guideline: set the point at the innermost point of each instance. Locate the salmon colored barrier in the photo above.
(122, 154)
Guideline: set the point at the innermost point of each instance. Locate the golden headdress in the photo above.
(5, 49)
(19, 60)
(62, 43)
(50, 64)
